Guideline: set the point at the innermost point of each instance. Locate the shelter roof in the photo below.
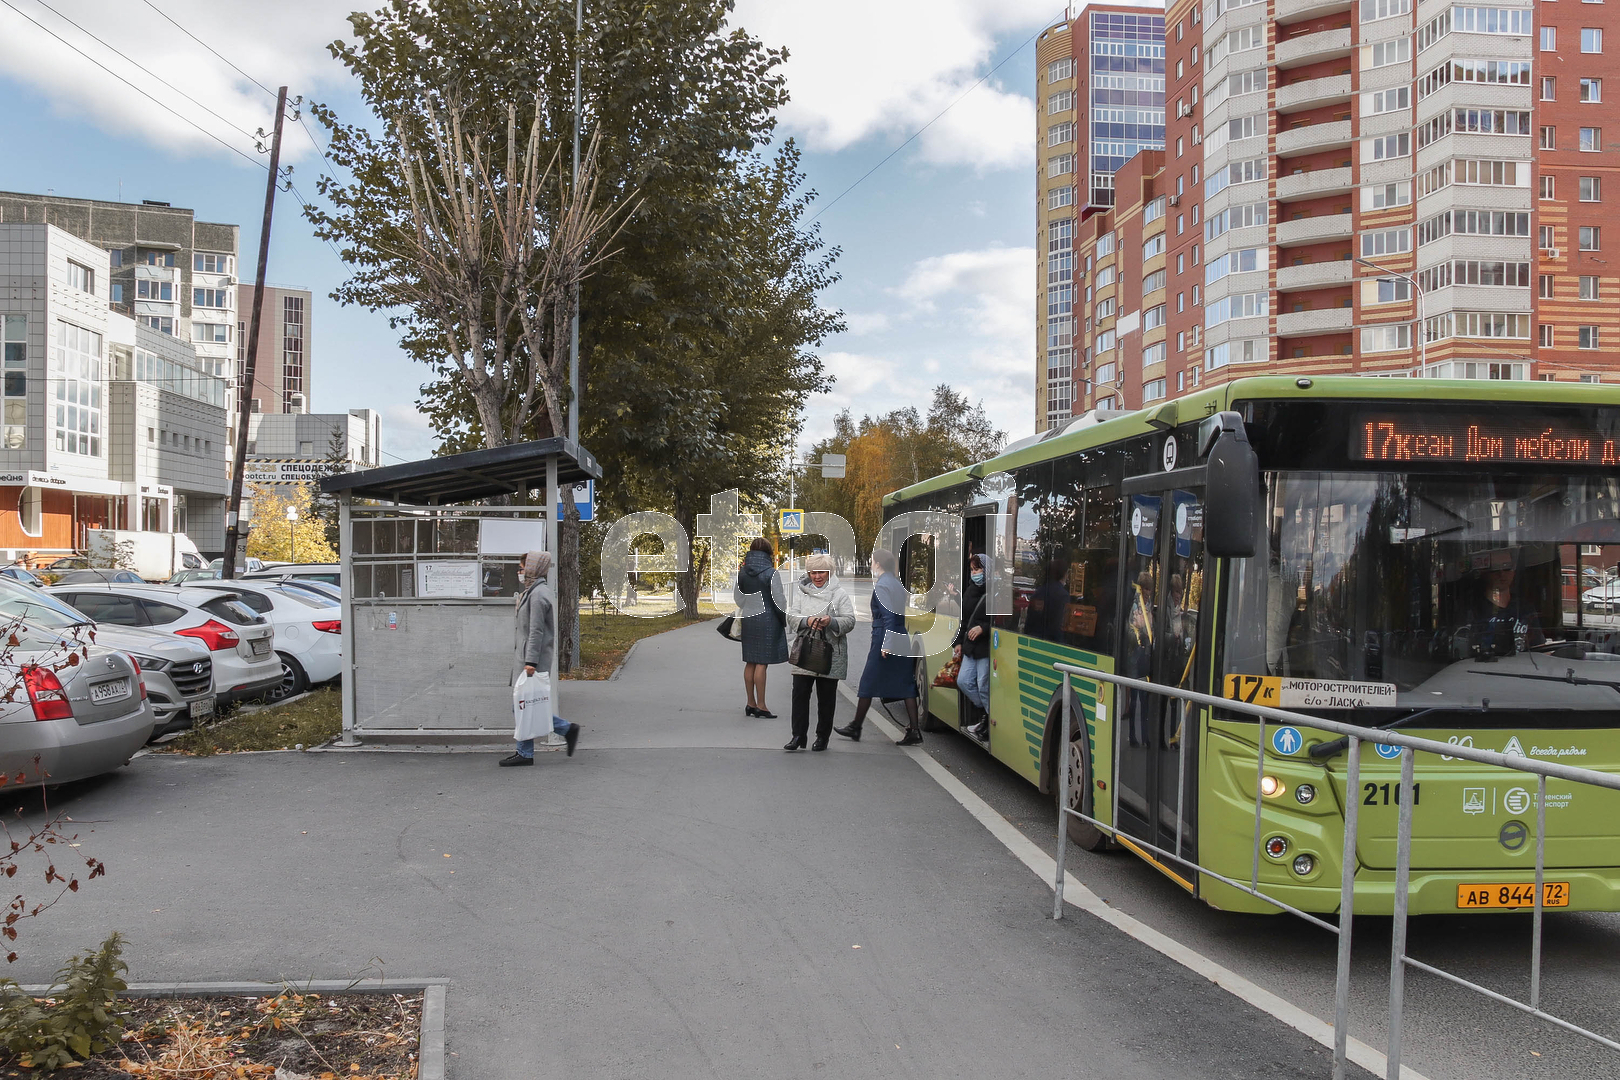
(463, 478)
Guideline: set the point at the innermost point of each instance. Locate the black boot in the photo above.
(853, 731)
(795, 743)
(913, 726)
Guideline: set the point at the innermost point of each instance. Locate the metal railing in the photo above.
(1356, 735)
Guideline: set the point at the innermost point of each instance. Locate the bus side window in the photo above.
(1101, 546)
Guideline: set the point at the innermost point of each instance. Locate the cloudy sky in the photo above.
(938, 264)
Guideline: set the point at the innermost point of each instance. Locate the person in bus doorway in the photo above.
(1139, 653)
(973, 649)
(890, 673)
(764, 637)
(535, 640)
(819, 602)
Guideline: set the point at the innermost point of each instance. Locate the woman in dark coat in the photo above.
(890, 672)
(764, 639)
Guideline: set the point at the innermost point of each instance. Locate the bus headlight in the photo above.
(1304, 864)
(1306, 794)
(1271, 787)
(1277, 847)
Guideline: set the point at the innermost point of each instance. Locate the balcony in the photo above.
(1313, 48)
(1313, 92)
(1314, 275)
(1308, 185)
(1312, 230)
(1314, 137)
(1293, 11)
(1320, 321)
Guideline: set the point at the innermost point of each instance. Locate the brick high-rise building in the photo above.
(281, 368)
(1366, 186)
(1100, 102)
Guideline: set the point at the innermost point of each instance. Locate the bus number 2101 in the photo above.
(1381, 794)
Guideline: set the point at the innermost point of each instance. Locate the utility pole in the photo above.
(233, 518)
(573, 330)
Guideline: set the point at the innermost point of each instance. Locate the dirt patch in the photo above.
(287, 1037)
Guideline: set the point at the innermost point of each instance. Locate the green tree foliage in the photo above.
(887, 452)
(79, 1016)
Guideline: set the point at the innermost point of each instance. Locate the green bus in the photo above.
(1441, 556)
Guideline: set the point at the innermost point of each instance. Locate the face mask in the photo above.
(978, 577)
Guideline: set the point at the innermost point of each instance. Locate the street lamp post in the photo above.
(1422, 324)
(292, 521)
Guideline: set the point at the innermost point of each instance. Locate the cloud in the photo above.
(858, 69)
(406, 434)
(860, 323)
(285, 41)
(993, 287)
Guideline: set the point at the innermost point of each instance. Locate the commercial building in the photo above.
(1100, 102)
(109, 421)
(281, 368)
(1362, 186)
(285, 448)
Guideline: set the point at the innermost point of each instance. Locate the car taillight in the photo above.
(45, 691)
(329, 626)
(138, 677)
(216, 635)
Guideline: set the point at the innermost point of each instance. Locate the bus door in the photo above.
(1155, 736)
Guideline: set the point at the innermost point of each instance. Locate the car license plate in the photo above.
(110, 690)
(1553, 894)
(202, 708)
(261, 647)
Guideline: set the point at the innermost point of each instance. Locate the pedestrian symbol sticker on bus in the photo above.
(1287, 740)
(791, 522)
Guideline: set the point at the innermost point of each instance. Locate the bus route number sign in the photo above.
(1255, 689)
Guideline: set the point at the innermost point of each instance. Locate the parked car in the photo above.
(239, 639)
(1605, 597)
(244, 565)
(68, 562)
(308, 628)
(183, 576)
(178, 670)
(22, 575)
(86, 577)
(320, 588)
(68, 722)
(330, 573)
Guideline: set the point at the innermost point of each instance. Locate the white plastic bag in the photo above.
(531, 706)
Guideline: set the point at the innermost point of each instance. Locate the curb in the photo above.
(430, 1040)
(628, 653)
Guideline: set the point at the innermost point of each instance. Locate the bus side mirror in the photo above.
(1232, 488)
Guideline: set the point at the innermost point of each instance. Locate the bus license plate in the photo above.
(261, 647)
(111, 690)
(1553, 894)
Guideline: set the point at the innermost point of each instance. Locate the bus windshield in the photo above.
(1485, 600)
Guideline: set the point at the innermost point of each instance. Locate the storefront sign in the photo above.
(286, 470)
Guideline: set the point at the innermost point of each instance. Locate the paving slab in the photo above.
(679, 899)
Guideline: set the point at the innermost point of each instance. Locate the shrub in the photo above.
(66, 1026)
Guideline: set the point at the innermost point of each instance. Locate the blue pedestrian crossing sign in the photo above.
(791, 522)
(1287, 740)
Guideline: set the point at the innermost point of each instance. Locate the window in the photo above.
(1591, 90)
(154, 290)
(1549, 138)
(1105, 245)
(1586, 337)
(1386, 242)
(1549, 88)
(1181, 305)
(163, 324)
(1591, 238)
(1238, 172)
(1388, 146)
(208, 262)
(211, 298)
(1549, 39)
(1153, 282)
(1591, 140)
(211, 332)
(1241, 261)
(1153, 391)
(1544, 335)
(1544, 237)
(1059, 197)
(1237, 306)
(1060, 133)
(1544, 286)
(1392, 338)
(1235, 217)
(1591, 189)
(1478, 324)
(1386, 195)
(1154, 210)
(1509, 72)
(1105, 308)
(1153, 354)
(1591, 39)
(81, 277)
(1060, 164)
(1153, 317)
(1372, 10)
(1058, 70)
(155, 258)
(1589, 287)
(1107, 373)
(75, 374)
(1154, 246)
(1385, 53)
(1060, 235)
(1059, 300)
(1241, 351)
(1105, 277)
(1546, 187)
(14, 346)
(117, 289)
(1384, 101)
(115, 257)
(1060, 102)
(1394, 290)
(1105, 341)
(1474, 272)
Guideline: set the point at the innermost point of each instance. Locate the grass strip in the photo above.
(311, 720)
(605, 639)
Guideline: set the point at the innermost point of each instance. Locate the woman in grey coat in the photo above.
(818, 601)
(536, 636)
(763, 641)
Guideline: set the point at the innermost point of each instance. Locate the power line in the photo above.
(133, 86)
(143, 68)
(916, 134)
(210, 48)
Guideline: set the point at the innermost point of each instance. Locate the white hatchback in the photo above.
(241, 641)
(309, 627)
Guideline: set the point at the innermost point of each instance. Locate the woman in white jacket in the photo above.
(818, 602)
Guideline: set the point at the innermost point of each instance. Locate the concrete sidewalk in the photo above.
(680, 899)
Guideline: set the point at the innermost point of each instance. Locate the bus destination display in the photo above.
(1460, 437)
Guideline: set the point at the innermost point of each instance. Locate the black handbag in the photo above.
(729, 628)
(811, 651)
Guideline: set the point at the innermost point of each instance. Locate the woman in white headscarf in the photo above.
(818, 603)
(536, 637)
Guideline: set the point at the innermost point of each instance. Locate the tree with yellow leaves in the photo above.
(274, 538)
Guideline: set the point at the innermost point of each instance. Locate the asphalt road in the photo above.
(1450, 1033)
(680, 899)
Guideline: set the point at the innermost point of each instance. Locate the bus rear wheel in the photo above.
(1082, 833)
(924, 685)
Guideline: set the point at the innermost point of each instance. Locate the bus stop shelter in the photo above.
(429, 576)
